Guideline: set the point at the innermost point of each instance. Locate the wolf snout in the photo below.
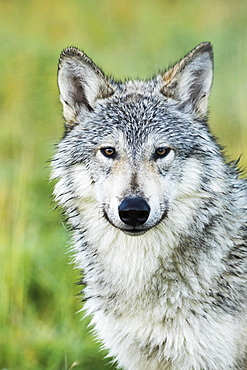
(134, 211)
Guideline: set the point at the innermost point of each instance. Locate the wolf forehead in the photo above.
(138, 116)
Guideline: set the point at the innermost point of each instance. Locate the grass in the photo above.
(38, 322)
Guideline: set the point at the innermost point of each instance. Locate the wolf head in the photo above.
(133, 151)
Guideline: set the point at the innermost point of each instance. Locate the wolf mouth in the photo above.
(131, 231)
(134, 231)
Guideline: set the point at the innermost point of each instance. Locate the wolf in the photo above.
(159, 217)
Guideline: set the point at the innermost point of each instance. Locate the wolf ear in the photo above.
(189, 81)
(80, 84)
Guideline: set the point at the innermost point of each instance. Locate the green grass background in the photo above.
(39, 326)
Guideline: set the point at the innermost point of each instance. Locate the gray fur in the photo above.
(169, 293)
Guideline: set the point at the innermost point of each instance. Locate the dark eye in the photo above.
(108, 152)
(162, 152)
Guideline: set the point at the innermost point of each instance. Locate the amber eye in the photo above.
(162, 152)
(108, 152)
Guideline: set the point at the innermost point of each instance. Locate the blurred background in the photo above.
(39, 324)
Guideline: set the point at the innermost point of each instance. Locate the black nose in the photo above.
(134, 211)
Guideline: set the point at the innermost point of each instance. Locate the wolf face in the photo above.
(139, 142)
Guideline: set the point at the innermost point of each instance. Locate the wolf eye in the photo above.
(108, 152)
(162, 152)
